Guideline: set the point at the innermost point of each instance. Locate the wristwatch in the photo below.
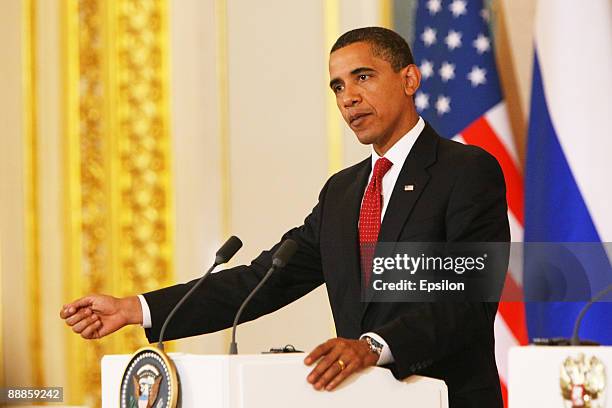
(375, 346)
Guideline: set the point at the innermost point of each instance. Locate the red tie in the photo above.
(369, 217)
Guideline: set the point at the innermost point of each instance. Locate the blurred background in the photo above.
(137, 135)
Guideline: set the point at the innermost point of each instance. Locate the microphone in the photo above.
(575, 339)
(279, 260)
(223, 255)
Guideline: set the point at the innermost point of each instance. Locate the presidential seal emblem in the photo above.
(149, 381)
(583, 382)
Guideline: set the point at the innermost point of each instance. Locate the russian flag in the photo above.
(568, 186)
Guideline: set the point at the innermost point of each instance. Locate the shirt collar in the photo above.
(399, 151)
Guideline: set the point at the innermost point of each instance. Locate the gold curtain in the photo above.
(118, 207)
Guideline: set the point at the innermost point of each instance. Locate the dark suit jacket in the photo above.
(459, 195)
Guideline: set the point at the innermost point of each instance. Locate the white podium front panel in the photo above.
(285, 380)
(277, 380)
(534, 374)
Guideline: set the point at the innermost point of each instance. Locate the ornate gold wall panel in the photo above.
(119, 201)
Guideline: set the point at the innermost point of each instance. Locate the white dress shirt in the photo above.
(146, 313)
(397, 154)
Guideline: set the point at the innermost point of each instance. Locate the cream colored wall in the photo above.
(12, 199)
(50, 191)
(277, 145)
(196, 146)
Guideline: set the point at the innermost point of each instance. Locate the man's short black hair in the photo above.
(385, 44)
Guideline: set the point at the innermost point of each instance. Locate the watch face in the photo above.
(375, 346)
(375, 343)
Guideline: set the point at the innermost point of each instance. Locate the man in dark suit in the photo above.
(416, 187)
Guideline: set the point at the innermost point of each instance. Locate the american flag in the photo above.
(461, 97)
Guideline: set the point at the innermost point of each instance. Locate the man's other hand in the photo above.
(96, 316)
(336, 360)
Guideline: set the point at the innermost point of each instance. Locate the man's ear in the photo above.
(412, 79)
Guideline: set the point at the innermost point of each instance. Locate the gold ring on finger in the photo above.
(341, 364)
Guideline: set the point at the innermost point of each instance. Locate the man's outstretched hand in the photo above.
(337, 359)
(96, 316)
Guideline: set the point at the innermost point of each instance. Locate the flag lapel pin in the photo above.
(409, 187)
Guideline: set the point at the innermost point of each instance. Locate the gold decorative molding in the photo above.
(386, 13)
(224, 120)
(32, 227)
(335, 146)
(224, 123)
(2, 309)
(331, 16)
(506, 67)
(72, 185)
(119, 233)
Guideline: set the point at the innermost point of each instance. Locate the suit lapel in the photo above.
(410, 184)
(349, 219)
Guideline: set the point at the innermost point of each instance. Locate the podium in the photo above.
(535, 375)
(275, 381)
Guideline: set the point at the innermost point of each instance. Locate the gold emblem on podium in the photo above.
(583, 382)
